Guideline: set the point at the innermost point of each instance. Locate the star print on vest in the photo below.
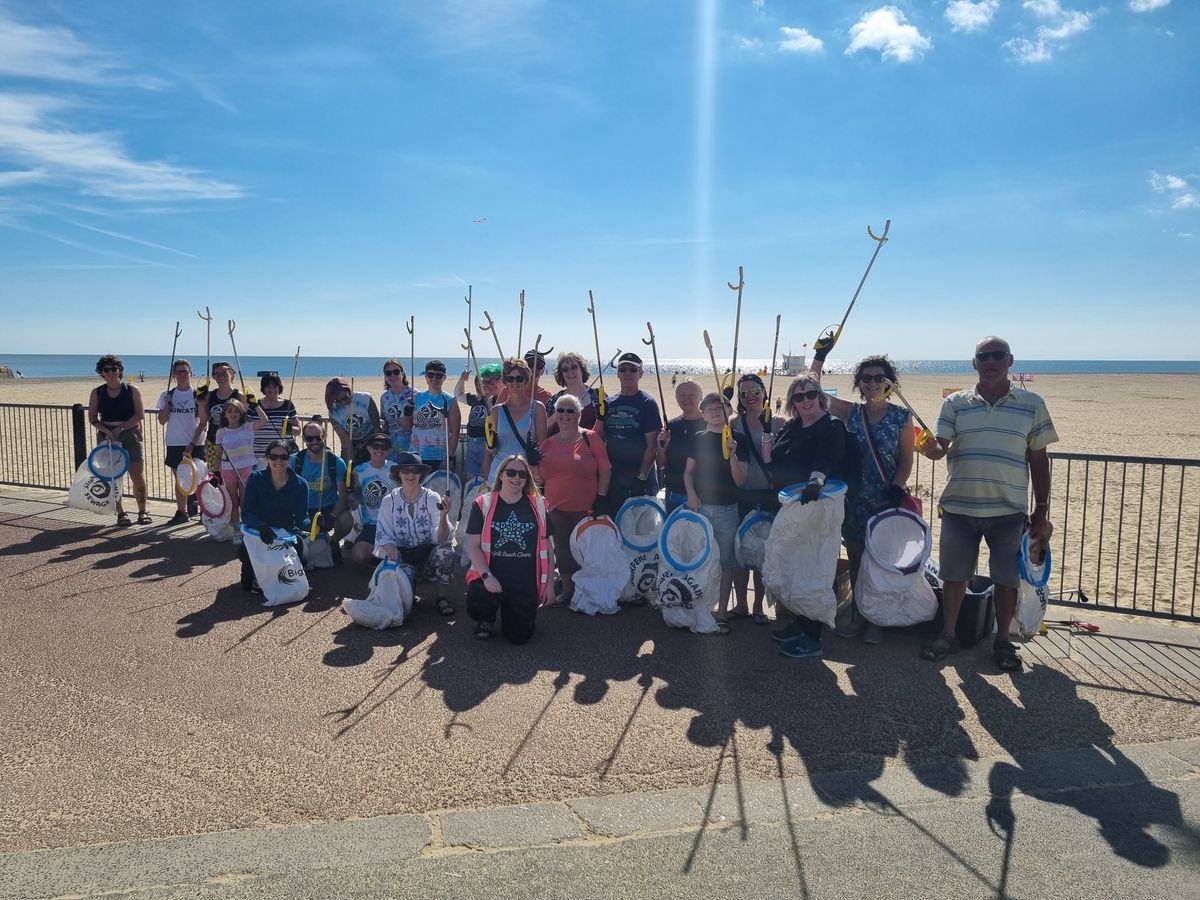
(511, 530)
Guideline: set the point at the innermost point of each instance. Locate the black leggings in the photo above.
(517, 608)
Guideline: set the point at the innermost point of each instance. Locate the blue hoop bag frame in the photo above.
(831, 488)
(683, 514)
(633, 503)
(905, 515)
(1026, 567)
(455, 484)
(109, 450)
(752, 518)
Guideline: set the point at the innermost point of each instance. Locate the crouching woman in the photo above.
(275, 506)
(508, 541)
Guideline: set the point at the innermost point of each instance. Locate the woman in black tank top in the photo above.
(115, 410)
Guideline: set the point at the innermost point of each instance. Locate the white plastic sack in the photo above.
(318, 553)
(604, 568)
(389, 601)
(445, 488)
(1034, 563)
(891, 590)
(92, 494)
(215, 511)
(802, 552)
(277, 569)
(473, 489)
(190, 474)
(640, 521)
(751, 545)
(689, 577)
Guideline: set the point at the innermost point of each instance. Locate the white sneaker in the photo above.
(237, 538)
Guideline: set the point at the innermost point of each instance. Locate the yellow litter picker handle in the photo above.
(489, 432)
(602, 405)
(726, 434)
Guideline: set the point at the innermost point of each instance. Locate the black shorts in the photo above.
(366, 536)
(175, 455)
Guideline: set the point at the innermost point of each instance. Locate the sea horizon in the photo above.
(68, 365)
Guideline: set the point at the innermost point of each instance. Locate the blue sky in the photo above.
(320, 172)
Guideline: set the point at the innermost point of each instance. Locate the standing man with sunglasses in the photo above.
(994, 437)
(631, 426)
(433, 419)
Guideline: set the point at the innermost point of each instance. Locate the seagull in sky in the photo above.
(480, 221)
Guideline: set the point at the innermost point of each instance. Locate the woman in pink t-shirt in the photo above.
(235, 437)
(576, 471)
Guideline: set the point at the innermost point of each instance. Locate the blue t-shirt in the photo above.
(320, 496)
(627, 420)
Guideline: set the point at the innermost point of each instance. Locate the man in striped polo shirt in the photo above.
(994, 437)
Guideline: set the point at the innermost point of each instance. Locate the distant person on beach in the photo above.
(518, 424)
(275, 507)
(235, 441)
(279, 410)
(325, 473)
(397, 395)
(178, 411)
(115, 411)
(674, 442)
(478, 410)
(571, 373)
(210, 403)
(632, 424)
(354, 417)
(434, 419)
(994, 438)
(885, 440)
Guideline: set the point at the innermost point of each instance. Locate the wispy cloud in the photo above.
(1178, 190)
(1058, 26)
(133, 240)
(798, 40)
(971, 15)
(58, 54)
(887, 30)
(742, 44)
(1143, 6)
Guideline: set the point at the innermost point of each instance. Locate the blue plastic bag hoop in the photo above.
(753, 518)
(681, 514)
(475, 482)
(109, 451)
(455, 484)
(1025, 567)
(907, 515)
(831, 488)
(629, 504)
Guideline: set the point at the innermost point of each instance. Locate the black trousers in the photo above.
(517, 608)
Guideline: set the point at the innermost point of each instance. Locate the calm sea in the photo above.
(32, 365)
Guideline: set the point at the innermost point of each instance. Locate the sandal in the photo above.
(723, 627)
(738, 614)
(483, 631)
(939, 648)
(445, 607)
(144, 518)
(123, 520)
(760, 618)
(1005, 654)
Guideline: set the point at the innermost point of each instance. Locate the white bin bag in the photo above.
(108, 461)
(752, 535)
(389, 602)
(689, 576)
(604, 568)
(891, 589)
(640, 521)
(448, 489)
(1034, 561)
(277, 569)
(473, 489)
(318, 552)
(92, 494)
(215, 510)
(190, 474)
(803, 549)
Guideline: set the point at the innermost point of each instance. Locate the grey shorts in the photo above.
(132, 441)
(958, 547)
(725, 521)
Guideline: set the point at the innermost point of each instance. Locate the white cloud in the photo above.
(31, 51)
(1178, 189)
(743, 44)
(759, 4)
(968, 16)
(1141, 6)
(94, 161)
(1059, 26)
(1161, 183)
(887, 30)
(1186, 201)
(798, 40)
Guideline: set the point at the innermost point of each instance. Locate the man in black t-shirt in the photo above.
(631, 426)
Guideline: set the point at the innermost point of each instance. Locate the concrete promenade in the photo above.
(165, 736)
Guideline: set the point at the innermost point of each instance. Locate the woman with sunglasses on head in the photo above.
(811, 447)
(413, 528)
(518, 423)
(115, 411)
(886, 440)
(755, 488)
(396, 397)
(478, 409)
(279, 410)
(275, 506)
(354, 417)
(576, 472)
(571, 373)
(512, 561)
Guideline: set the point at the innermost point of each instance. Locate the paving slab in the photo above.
(538, 823)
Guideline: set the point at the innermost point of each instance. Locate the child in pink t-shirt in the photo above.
(235, 437)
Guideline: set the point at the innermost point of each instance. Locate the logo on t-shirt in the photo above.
(374, 491)
(511, 531)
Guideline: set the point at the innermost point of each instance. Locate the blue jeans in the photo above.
(621, 485)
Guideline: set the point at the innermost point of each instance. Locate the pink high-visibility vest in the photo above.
(538, 502)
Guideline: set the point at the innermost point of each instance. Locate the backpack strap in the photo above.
(754, 450)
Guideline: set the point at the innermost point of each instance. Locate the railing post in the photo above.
(79, 434)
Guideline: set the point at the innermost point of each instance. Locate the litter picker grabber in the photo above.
(207, 317)
(602, 407)
(880, 240)
(662, 397)
(491, 326)
(312, 532)
(926, 434)
(174, 345)
(236, 359)
(607, 365)
(771, 384)
(350, 431)
(521, 326)
(737, 322)
(411, 325)
(291, 390)
(725, 432)
(469, 346)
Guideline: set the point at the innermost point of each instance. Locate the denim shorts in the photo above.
(958, 546)
(725, 521)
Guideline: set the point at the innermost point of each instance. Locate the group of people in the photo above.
(548, 460)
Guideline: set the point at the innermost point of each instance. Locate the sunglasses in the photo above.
(569, 367)
(378, 446)
(800, 396)
(996, 355)
(277, 457)
(566, 411)
(312, 439)
(390, 372)
(516, 473)
(515, 379)
(435, 374)
(109, 369)
(745, 394)
(877, 379)
(627, 370)
(412, 470)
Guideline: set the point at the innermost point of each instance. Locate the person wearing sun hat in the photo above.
(413, 528)
(631, 426)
